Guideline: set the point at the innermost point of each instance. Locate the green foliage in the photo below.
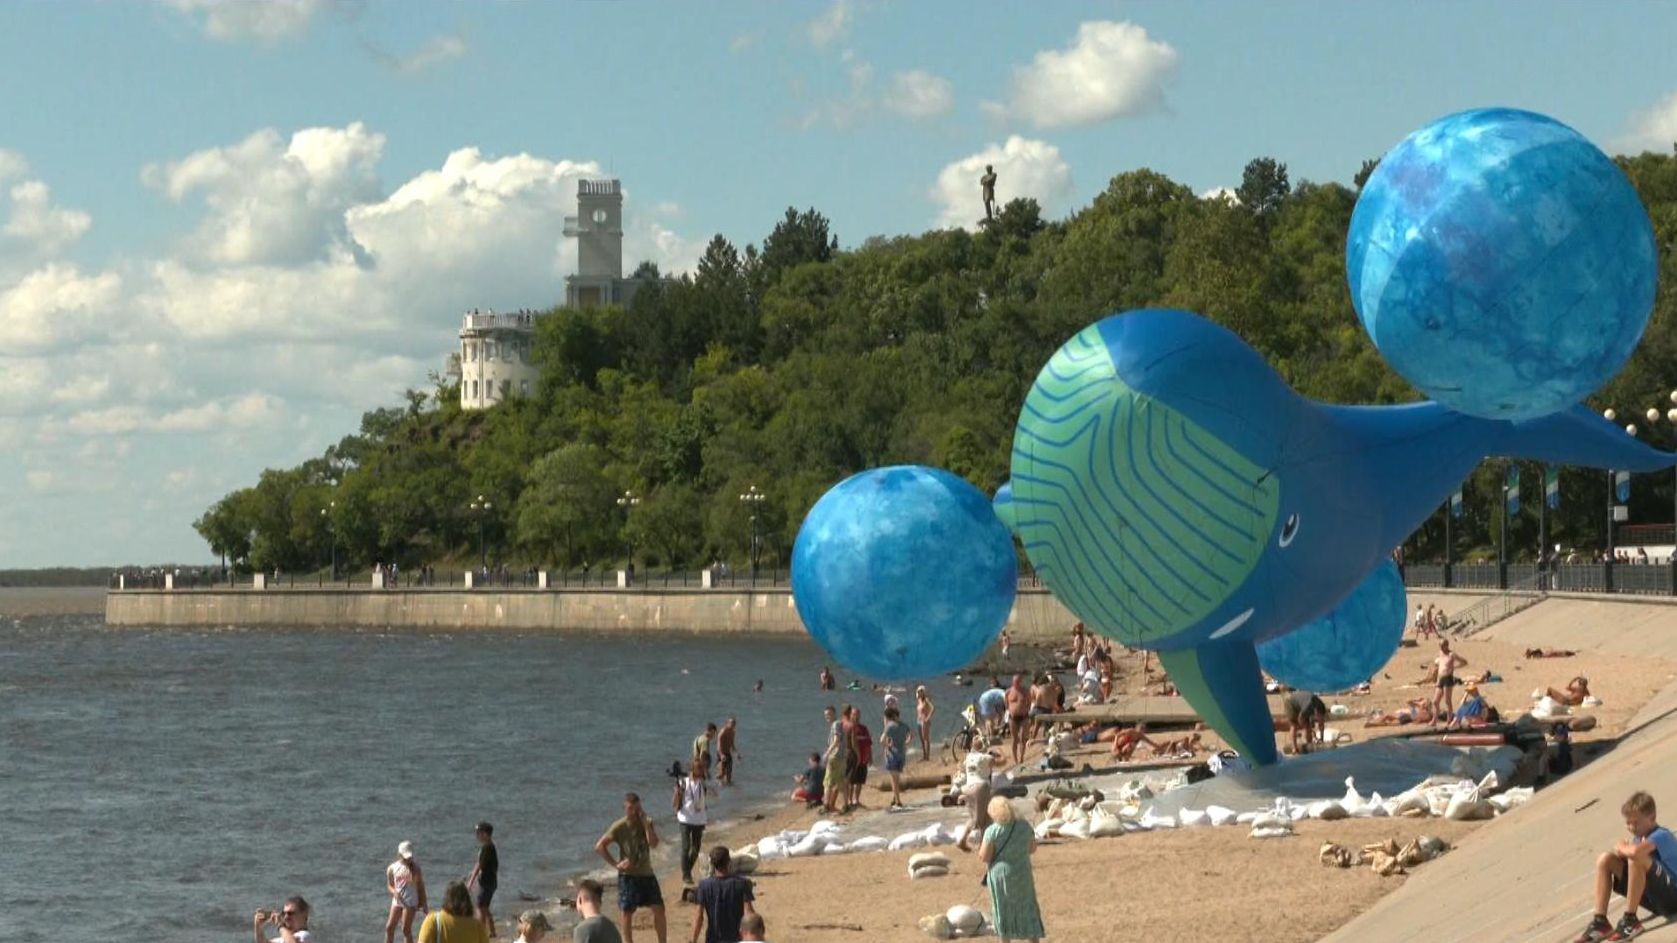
(792, 367)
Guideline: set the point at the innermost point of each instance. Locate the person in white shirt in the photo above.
(292, 918)
(689, 802)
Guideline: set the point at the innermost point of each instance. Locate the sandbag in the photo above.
(744, 863)
(1078, 829)
(925, 858)
(935, 835)
(771, 848)
(812, 845)
(1328, 811)
(929, 871)
(1466, 806)
(1218, 815)
(907, 840)
(964, 918)
(1152, 819)
(1193, 818)
(938, 926)
(1105, 826)
(870, 843)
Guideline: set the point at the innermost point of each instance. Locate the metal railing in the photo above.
(1528, 592)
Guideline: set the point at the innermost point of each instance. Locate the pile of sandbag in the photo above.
(928, 864)
(1384, 858)
(958, 922)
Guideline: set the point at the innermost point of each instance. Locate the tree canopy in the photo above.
(796, 365)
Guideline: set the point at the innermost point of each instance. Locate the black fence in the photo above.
(428, 578)
(1642, 579)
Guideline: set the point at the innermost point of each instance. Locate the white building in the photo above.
(495, 357)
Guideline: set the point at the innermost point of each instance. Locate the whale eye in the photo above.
(1290, 529)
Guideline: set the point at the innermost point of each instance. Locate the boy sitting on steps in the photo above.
(1640, 869)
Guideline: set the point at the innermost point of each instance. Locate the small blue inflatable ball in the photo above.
(1347, 646)
(904, 572)
(1501, 263)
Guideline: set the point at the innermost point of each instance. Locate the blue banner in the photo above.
(1621, 485)
(1511, 490)
(1552, 486)
(1456, 503)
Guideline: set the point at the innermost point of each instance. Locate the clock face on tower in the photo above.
(599, 216)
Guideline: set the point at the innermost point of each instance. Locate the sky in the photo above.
(228, 229)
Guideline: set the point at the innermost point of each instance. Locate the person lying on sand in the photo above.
(1576, 690)
(1550, 653)
(1419, 711)
(1189, 745)
(1123, 745)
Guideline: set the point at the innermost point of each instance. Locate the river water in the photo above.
(164, 784)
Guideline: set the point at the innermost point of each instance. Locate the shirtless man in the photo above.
(1044, 700)
(1172, 748)
(1419, 711)
(726, 751)
(1444, 691)
(1018, 716)
(1576, 690)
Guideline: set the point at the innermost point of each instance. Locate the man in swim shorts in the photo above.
(637, 883)
(1444, 691)
(726, 750)
(1018, 716)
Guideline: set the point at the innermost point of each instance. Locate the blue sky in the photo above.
(227, 229)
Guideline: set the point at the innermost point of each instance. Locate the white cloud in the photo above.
(231, 414)
(436, 51)
(56, 305)
(1113, 69)
(1220, 193)
(36, 221)
(274, 201)
(260, 20)
(745, 41)
(1652, 129)
(833, 23)
(920, 94)
(1024, 168)
(12, 164)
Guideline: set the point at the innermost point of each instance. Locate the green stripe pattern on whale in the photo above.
(1140, 521)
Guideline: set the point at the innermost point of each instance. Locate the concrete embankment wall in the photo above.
(700, 611)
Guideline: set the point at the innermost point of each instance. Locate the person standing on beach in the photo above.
(406, 884)
(456, 922)
(594, 928)
(861, 743)
(689, 801)
(486, 874)
(1444, 690)
(1018, 716)
(726, 750)
(836, 784)
(292, 919)
(895, 736)
(923, 711)
(1006, 851)
(826, 679)
(724, 899)
(637, 883)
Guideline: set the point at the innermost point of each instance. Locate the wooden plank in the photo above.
(1150, 709)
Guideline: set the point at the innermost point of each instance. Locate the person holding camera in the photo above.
(292, 918)
(689, 802)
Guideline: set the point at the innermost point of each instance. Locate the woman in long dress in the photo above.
(1007, 849)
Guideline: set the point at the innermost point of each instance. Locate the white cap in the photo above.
(405, 850)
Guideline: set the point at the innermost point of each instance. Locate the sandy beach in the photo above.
(1169, 885)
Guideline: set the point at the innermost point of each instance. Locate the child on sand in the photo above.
(809, 782)
(1640, 869)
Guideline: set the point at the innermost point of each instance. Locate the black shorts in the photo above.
(485, 894)
(1448, 681)
(1660, 896)
(635, 891)
(859, 774)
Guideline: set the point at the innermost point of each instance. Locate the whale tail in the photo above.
(1223, 682)
(1578, 436)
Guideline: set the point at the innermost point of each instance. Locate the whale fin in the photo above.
(1223, 682)
(1579, 436)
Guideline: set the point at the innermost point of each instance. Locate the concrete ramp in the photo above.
(1528, 877)
(1621, 626)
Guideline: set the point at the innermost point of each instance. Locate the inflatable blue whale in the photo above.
(1178, 496)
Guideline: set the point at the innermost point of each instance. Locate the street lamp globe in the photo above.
(1609, 415)
(1671, 414)
(1653, 414)
(1631, 428)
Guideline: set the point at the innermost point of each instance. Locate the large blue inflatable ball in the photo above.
(1348, 645)
(1501, 263)
(903, 572)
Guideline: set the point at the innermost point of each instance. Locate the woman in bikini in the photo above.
(923, 711)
